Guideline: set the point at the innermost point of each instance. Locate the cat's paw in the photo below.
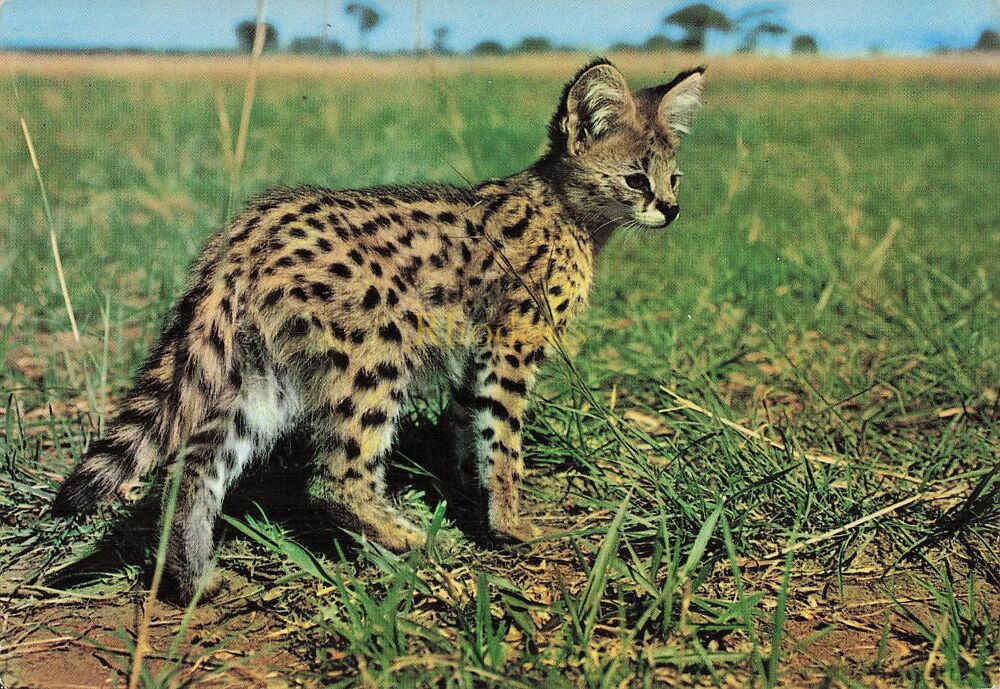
(517, 530)
(397, 537)
(180, 591)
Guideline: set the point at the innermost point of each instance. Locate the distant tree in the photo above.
(659, 43)
(804, 44)
(534, 44)
(246, 30)
(440, 45)
(754, 33)
(488, 48)
(697, 20)
(367, 17)
(315, 45)
(989, 40)
(624, 47)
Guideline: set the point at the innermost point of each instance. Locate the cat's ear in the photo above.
(680, 100)
(596, 102)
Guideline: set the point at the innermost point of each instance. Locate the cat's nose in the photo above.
(669, 210)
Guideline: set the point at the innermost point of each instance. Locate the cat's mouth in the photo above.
(652, 219)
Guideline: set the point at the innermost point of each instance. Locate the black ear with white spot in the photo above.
(596, 102)
(681, 100)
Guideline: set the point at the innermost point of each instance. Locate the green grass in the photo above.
(831, 283)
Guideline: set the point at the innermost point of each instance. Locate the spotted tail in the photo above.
(186, 379)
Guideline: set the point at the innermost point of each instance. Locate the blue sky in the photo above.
(841, 26)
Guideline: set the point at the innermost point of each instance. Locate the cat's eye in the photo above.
(638, 181)
(675, 179)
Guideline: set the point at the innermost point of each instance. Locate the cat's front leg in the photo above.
(500, 377)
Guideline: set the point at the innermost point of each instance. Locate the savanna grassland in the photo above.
(768, 457)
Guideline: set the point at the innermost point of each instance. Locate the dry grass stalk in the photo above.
(808, 455)
(39, 645)
(142, 637)
(832, 533)
(239, 153)
(225, 132)
(52, 232)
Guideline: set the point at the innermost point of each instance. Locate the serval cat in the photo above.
(322, 309)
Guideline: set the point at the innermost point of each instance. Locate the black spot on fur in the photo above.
(352, 449)
(437, 295)
(386, 251)
(387, 371)
(340, 270)
(516, 387)
(372, 299)
(473, 230)
(495, 407)
(365, 380)
(273, 297)
(373, 417)
(338, 359)
(322, 291)
(345, 408)
(517, 229)
(390, 333)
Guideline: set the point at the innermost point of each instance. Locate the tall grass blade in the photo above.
(52, 232)
(250, 90)
(778, 620)
(287, 548)
(142, 638)
(701, 542)
(598, 579)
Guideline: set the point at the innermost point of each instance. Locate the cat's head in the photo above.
(616, 151)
